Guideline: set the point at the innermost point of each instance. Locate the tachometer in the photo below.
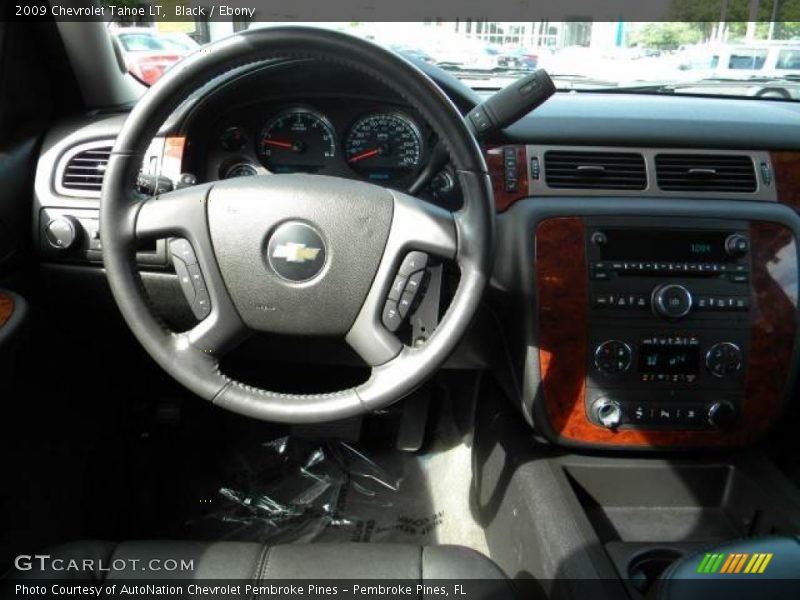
(383, 146)
(297, 140)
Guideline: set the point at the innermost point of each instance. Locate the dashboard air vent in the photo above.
(705, 173)
(85, 169)
(595, 170)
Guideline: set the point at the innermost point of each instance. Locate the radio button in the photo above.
(740, 278)
(672, 301)
(721, 414)
(601, 301)
(737, 245)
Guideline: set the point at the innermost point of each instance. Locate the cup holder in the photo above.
(645, 568)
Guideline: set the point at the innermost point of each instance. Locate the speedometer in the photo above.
(297, 140)
(383, 146)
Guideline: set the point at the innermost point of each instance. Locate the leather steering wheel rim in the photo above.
(192, 357)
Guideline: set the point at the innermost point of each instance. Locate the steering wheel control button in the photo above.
(391, 316)
(190, 277)
(672, 301)
(182, 249)
(398, 285)
(612, 357)
(201, 307)
(413, 262)
(723, 358)
(405, 303)
(62, 233)
(296, 252)
(182, 271)
(415, 282)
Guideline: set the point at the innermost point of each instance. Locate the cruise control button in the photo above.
(414, 261)
(398, 285)
(391, 316)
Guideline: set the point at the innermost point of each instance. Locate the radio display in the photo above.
(674, 245)
(669, 360)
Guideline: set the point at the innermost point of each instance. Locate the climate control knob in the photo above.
(62, 232)
(723, 358)
(607, 412)
(672, 301)
(612, 357)
(721, 414)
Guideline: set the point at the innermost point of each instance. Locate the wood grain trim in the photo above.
(497, 173)
(786, 173)
(6, 308)
(563, 309)
(563, 320)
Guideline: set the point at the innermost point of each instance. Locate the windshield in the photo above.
(718, 58)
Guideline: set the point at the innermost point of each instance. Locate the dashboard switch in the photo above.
(62, 233)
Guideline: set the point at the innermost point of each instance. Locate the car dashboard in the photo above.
(645, 290)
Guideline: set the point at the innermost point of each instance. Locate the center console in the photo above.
(655, 331)
(668, 323)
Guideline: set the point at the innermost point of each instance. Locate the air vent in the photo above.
(705, 173)
(84, 170)
(595, 170)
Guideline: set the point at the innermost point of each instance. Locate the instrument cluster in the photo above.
(378, 142)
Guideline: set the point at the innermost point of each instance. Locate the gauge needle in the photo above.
(279, 144)
(366, 154)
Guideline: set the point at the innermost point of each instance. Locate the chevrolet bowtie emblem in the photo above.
(295, 253)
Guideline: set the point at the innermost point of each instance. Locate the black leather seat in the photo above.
(253, 562)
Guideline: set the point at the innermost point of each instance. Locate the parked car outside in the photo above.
(518, 58)
(149, 53)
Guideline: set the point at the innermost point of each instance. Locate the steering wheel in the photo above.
(296, 254)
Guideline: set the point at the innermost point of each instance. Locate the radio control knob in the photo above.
(607, 412)
(62, 232)
(737, 245)
(672, 301)
(723, 358)
(721, 414)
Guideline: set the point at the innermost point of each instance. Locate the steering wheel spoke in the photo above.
(419, 232)
(181, 215)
